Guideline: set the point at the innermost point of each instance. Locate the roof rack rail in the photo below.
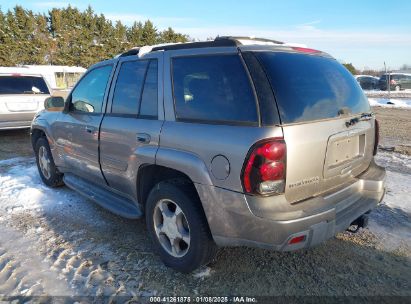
(220, 41)
(199, 44)
(130, 52)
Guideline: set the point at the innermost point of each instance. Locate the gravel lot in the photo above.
(386, 94)
(54, 242)
(395, 129)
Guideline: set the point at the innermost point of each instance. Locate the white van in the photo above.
(22, 95)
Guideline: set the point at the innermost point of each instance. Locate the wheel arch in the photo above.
(35, 134)
(151, 174)
(171, 164)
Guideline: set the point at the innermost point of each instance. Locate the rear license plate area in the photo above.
(343, 153)
(22, 106)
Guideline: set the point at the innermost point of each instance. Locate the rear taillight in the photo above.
(377, 136)
(264, 168)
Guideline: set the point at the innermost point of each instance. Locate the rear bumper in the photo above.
(15, 125)
(16, 120)
(237, 220)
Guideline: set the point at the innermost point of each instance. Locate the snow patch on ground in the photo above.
(24, 272)
(12, 161)
(21, 189)
(391, 221)
(386, 94)
(42, 260)
(202, 273)
(394, 162)
(390, 103)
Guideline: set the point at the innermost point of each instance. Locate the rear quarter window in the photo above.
(311, 87)
(214, 89)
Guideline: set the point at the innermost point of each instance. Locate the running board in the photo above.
(106, 199)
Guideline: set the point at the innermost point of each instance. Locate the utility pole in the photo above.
(388, 76)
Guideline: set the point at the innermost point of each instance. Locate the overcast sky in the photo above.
(364, 32)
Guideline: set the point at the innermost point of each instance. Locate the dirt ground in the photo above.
(395, 129)
(14, 143)
(70, 246)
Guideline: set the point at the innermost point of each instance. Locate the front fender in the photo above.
(41, 123)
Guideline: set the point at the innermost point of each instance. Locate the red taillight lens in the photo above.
(377, 136)
(272, 151)
(264, 169)
(272, 171)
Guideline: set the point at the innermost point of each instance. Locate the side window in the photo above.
(89, 93)
(149, 99)
(127, 92)
(213, 88)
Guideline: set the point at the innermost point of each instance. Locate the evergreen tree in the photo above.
(68, 36)
(350, 68)
(135, 34)
(169, 35)
(11, 40)
(149, 34)
(41, 41)
(3, 39)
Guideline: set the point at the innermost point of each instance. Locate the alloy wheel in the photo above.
(171, 228)
(44, 162)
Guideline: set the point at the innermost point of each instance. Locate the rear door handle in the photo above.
(143, 138)
(90, 129)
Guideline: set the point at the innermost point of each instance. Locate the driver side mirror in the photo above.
(54, 103)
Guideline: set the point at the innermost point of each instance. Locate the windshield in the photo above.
(23, 85)
(309, 87)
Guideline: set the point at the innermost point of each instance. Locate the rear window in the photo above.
(213, 89)
(309, 87)
(23, 85)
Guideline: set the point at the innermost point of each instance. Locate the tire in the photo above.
(50, 176)
(397, 88)
(183, 256)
